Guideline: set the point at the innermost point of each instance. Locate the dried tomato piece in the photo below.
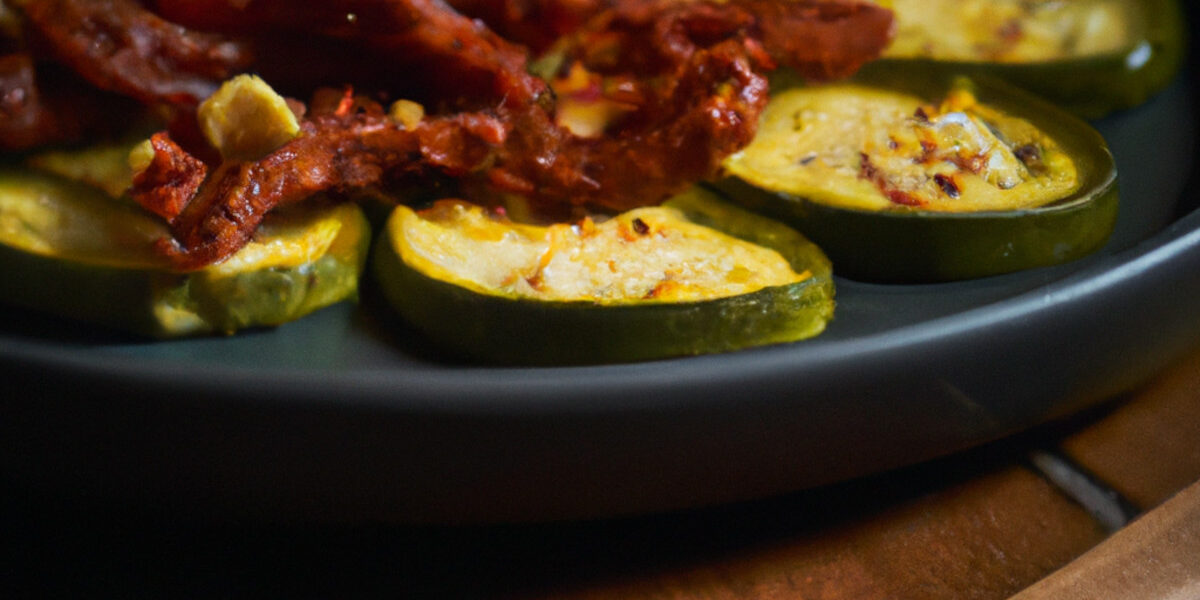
(49, 106)
(119, 46)
(692, 71)
(167, 183)
(334, 153)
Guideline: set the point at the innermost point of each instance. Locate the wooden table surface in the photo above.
(985, 524)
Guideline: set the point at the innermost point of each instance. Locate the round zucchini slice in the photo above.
(695, 276)
(71, 250)
(1089, 56)
(920, 179)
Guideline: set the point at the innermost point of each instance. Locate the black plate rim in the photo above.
(653, 385)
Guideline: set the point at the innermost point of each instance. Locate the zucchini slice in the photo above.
(1089, 56)
(697, 275)
(906, 179)
(71, 250)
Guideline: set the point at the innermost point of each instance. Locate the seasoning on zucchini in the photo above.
(1090, 56)
(695, 276)
(70, 249)
(954, 181)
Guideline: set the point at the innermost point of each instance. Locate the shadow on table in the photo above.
(72, 546)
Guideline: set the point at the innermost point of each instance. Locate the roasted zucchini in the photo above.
(912, 179)
(69, 249)
(696, 276)
(1089, 56)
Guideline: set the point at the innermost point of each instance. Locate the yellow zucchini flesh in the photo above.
(871, 148)
(1012, 31)
(695, 276)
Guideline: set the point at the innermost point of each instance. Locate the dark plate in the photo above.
(346, 415)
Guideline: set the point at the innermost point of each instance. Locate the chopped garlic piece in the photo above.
(407, 113)
(140, 157)
(245, 119)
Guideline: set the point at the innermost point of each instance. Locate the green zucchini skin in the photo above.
(903, 245)
(272, 296)
(155, 302)
(1091, 86)
(924, 247)
(111, 297)
(505, 330)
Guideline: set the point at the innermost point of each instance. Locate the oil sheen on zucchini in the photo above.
(914, 180)
(1090, 56)
(695, 276)
(71, 250)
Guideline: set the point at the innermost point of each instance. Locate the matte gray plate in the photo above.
(346, 415)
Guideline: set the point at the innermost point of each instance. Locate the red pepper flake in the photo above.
(1011, 31)
(346, 104)
(946, 182)
(928, 147)
(975, 163)
(866, 170)
(921, 115)
(662, 288)
(903, 198)
(869, 172)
